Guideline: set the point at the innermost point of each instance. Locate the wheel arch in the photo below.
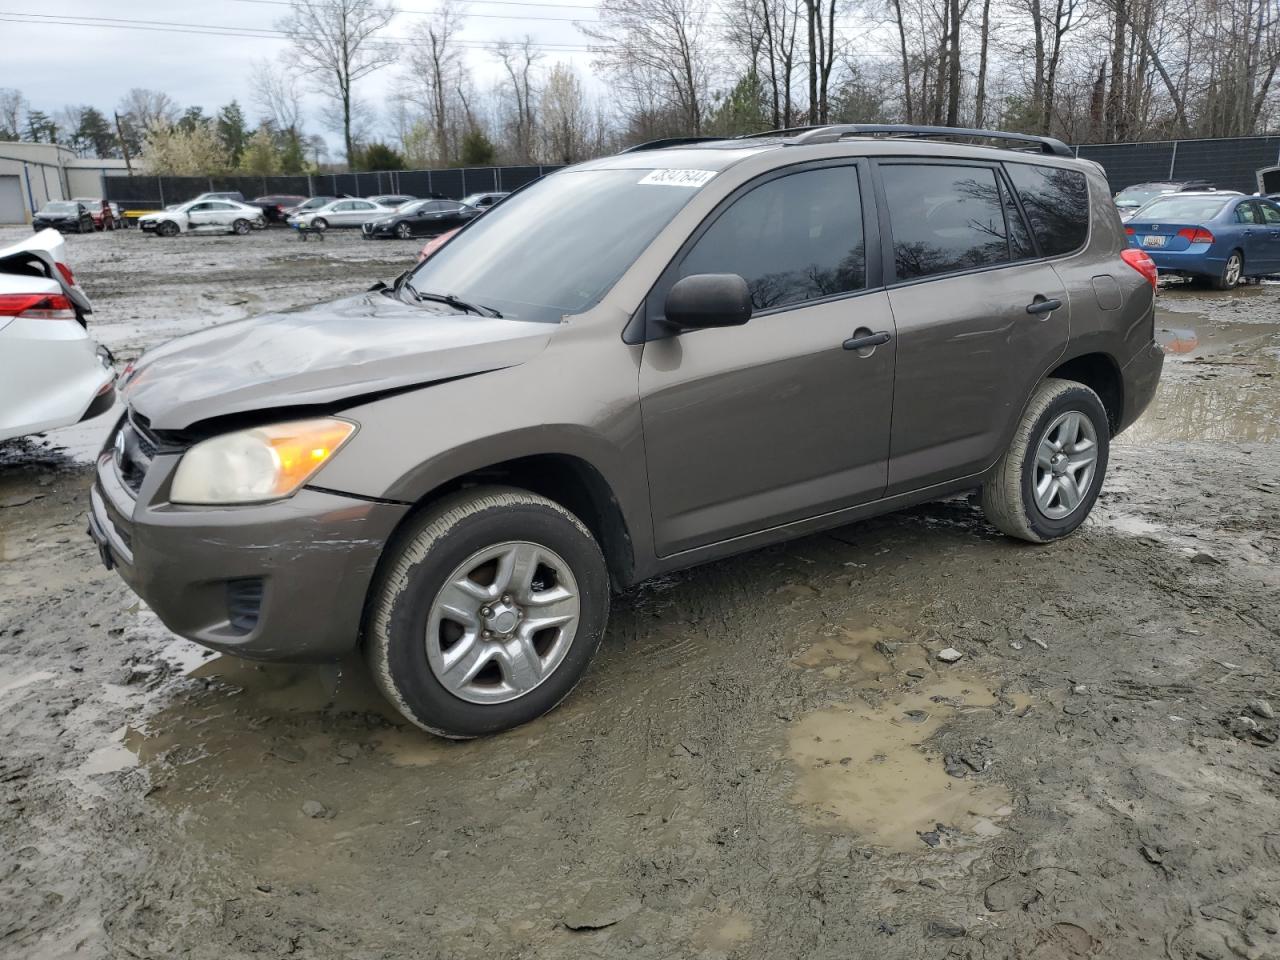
(1100, 373)
(571, 481)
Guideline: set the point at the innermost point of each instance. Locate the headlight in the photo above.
(264, 463)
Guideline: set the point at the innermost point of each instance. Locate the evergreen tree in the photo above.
(40, 128)
(292, 157)
(477, 149)
(191, 118)
(379, 156)
(232, 131)
(260, 156)
(95, 133)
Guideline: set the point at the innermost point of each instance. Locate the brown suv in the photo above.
(634, 365)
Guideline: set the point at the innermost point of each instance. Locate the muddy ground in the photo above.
(767, 760)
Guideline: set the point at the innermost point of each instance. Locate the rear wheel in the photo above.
(241, 227)
(1232, 271)
(486, 612)
(1048, 480)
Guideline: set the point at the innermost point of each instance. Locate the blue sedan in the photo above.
(1223, 237)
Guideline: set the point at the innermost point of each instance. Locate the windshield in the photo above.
(1174, 207)
(1137, 196)
(59, 207)
(556, 247)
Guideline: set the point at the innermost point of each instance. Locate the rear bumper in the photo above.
(278, 581)
(1140, 376)
(1201, 262)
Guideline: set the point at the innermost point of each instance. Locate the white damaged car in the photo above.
(52, 374)
(204, 216)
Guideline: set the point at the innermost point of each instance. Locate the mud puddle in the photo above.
(1221, 378)
(867, 769)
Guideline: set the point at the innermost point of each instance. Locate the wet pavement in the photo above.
(767, 759)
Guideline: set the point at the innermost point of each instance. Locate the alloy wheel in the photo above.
(1231, 275)
(404, 231)
(1066, 463)
(502, 622)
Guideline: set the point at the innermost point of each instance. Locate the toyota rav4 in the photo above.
(632, 366)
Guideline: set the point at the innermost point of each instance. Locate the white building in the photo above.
(31, 174)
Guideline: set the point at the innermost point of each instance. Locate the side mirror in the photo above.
(708, 300)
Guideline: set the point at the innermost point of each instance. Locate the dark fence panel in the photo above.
(455, 183)
(1229, 163)
(1130, 163)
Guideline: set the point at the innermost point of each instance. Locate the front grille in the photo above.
(244, 602)
(133, 451)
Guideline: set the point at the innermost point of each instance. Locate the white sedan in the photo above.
(204, 216)
(347, 212)
(51, 373)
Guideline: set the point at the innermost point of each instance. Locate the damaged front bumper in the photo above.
(285, 580)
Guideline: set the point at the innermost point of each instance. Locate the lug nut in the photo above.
(485, 611)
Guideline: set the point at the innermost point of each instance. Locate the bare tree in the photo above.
(436, 69)
(657, 53)
(336, 41)
(13, 107)
(277, 92)
(566, 117)
(149, 109)
(518, 61)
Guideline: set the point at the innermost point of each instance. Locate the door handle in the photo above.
(870, 340)
(1042, 305)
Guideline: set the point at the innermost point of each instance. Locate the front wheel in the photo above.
(1232, 271)
(320, 223)
(404, 231)
(241, 227)
(486, 612)
(1047, 481)
(167, 229)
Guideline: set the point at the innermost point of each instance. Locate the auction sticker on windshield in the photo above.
(678, 178)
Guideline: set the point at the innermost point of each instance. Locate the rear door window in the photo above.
(1247, 213)
(1270, 214)
(1056, 201)
(795, 238)
(944, 217)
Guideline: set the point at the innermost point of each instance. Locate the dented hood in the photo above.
(320, 355)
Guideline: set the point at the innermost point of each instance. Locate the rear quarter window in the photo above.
(1056, 201)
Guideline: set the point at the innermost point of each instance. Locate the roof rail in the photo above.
(668, 142)
(781, 132)
(837, 131)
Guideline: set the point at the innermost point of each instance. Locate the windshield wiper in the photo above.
(478, 309)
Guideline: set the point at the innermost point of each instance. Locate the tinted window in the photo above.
(556, 247)
(944, 218)
(795, 238)
(1057, 204)
(1246, 213)
(1020, 244)
(1174, 207)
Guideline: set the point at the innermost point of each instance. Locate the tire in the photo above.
(241, 228)
(427, 556)
(404, 231)
(1009, 497)
(167, 229)
(1232, 272)
(320, 223)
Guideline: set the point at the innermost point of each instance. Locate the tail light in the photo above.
(1196, 234)
(67, 275)
(1130, 231)
(36, 306)
(1139, 260)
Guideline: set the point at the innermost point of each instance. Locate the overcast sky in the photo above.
(54, 63)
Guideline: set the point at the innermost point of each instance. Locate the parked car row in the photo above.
(78, 215)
